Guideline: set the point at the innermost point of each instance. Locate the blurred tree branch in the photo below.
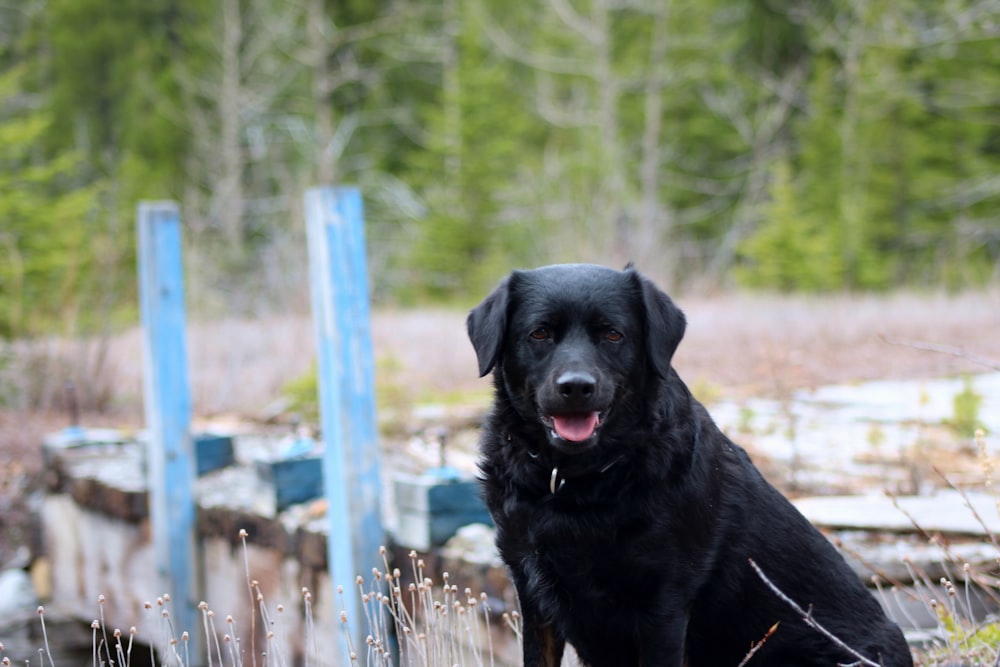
(943, 349)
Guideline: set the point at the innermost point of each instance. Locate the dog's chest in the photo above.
(590, 587)
(577, 550)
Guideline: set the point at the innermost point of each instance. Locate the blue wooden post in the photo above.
(352, 479)
(168, 408)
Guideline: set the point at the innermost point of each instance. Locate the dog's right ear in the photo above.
(487, 324)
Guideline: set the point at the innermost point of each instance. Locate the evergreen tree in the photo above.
(474, 168)
(47, 244)
(792, 249)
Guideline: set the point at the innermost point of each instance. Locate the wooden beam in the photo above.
(341, 312)
(167, 397)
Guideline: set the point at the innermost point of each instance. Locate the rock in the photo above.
(474, 543)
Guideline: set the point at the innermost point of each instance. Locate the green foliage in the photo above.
(744, 423)
(705, 391)
(467, 239)
(875, 166)
(47, 215)
(302, 394)
(836, 145)
(976, 641)
(394, 398)
(793, 249)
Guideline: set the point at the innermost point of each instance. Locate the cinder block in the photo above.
(212, 452)
(431, 508)
(295, 480)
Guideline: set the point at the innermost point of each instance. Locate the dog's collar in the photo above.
(557, 480)
(556, 483)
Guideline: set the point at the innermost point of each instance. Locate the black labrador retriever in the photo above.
(626, 517)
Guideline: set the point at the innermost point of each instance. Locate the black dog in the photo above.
(626, 517)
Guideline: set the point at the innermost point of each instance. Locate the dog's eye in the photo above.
(541, 333)
(613, 335)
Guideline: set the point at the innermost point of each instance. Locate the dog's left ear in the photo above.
(487, 323)
(665, 324)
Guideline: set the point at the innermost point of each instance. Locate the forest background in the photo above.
(796, 145)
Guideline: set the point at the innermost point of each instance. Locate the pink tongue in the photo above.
(575, 427)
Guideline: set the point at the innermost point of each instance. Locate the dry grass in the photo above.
(408, 619)
(431, 624)
(741, 343)
(759, 345)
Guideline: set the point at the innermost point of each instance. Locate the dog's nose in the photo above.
(576, 384)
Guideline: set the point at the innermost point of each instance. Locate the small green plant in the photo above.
(876, 436)
(963, 638)
(705, 391)
(744, 423)
(394, 399)
(302, 395)
(965, 410)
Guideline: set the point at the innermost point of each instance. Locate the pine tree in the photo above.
(47, 247)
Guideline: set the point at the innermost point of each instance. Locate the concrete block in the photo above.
(431, 508)
(295, 480)
(212, 452)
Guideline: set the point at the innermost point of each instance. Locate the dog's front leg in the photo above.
(661, 643)
(542, 646)
(542, 643)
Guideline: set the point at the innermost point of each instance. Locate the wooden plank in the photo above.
(358, 378)
(352, 480)
(167, 401)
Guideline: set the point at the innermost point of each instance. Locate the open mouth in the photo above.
(574, 426)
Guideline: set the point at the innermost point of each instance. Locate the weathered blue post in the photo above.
(339, 279)
(167, 400)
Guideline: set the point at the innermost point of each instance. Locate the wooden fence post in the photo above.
(167, 398)
(341, 313)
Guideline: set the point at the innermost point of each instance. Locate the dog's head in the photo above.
(569, 342)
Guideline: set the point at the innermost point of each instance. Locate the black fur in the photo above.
(640, 557)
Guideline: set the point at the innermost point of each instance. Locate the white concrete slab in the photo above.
(945, 512)
(831, 437)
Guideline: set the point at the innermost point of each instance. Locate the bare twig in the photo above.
(986, 582)
(808, 618)
(943, 349)
(877, 572)
(756, 647)
(909, 517)
(968, 503)
(253, 614)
